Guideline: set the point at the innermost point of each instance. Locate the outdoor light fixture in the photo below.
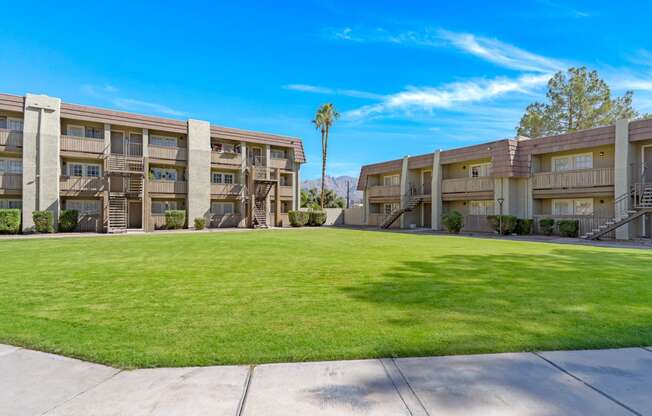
(601, 154)
(500, 216)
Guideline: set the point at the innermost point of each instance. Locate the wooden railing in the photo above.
(586, 222)
(584, 178)
(280, 163)
(226, 158)
(376, 219)
(285, 191)
(384, 190)
(81, 184)
(168, 187)
(232, 189)
(477, 223)
(169, 153)
(11, 181)
(157, 221)
(481, 184)
(11, 138)
(124, 164)
(226, 220)
(82, 144)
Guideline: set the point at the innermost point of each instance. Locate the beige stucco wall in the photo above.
(461, 169)
(199, 165)
(543, 163)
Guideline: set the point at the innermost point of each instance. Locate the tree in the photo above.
(311, 198)
(577, 99)
(324, 119)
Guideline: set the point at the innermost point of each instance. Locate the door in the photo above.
(647, 164)
(427, 183)
(256, 155)
(427, 215)
(117, 142)
(135, 213)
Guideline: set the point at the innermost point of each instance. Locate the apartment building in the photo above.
(601, 177)
(122, 171)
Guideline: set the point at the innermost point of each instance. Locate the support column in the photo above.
(199, 167)
(404, 187)
(41, 167)
(365, 212)
(277, 201)
(243, 175)
(297, 188)
(624, 155)
(435, 187)
(268, 158)
(146, 207)
(105, 203)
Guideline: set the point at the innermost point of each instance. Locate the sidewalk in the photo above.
(599, 382)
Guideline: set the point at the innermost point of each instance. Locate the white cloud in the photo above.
(108, 93)
(333, 91)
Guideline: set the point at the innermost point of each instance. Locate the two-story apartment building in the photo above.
(601, 177)
(122, 171)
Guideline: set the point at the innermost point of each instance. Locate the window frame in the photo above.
(281, 151)
(18, 203)
(7, 161)
(483, 170)
(391, 178)
(19, 120)
(153, 169)
(163, 138)
(484, 207)
(222, 204)
(83, 130)
(167, 205)
(572, 162)
(573, 206)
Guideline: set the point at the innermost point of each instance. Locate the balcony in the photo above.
(168, 187)
(11, 183)
(226, 158)
(280, 163)
(82, 144)
(168, 153)
(81, 184)
(466, 185)
(124, 164)
(11, 138)
(585, 178)
(230, 189)
(384, 191)
(285, 191)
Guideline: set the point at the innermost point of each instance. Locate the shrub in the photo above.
(508, 221)
(43, 221)
(175, 218)
(317, 218)
(569, 228)
(546, 226)
(453, 221)
(68, 220)
(200, 223)
(523, 226)
(298, 218)
(9, 221)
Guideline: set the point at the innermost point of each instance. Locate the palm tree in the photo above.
(324, 119)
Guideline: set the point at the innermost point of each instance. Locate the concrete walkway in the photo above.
(600, 382)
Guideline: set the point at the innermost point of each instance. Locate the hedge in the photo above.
(569, 228)
(508, 222)
(68, 220)
(453, 221)
(175, 218)
(9, 221)
(317, 218)
(43, 221)
(200, 223)
(546, 226)
(298, 218)
(523, 226)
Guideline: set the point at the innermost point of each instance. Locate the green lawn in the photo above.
(316, 294)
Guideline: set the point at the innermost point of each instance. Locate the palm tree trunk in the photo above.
(324, 145)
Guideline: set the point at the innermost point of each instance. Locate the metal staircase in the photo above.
(125, 173)
(117, 213)
(634, 204)
(261, 186)
(412, 203)
(260, 214)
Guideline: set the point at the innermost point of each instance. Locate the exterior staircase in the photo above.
(631, 205)
(260, 215)
(413, 202)
(117, 213)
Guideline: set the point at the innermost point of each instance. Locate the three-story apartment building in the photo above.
(601, 177)
(123, 171)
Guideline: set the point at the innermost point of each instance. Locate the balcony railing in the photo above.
(82, 144)
(585, 178)
(81, 184)
(168, 187)
(226, 158)
(124, 164)
(384, 191)
(225, 220)
(462, 185)
(11, 138)
(280, 163)
(11, 181)
(586, 222)
(230, 189)
(168, 153)
(285, 191)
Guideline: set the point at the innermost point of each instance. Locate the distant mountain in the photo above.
(338, 184)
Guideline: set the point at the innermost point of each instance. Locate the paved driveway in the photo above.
(600, 382)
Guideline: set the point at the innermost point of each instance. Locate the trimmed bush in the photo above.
(68, 220)
(569, 228)
(453, 221)
(43, 221)
(175, 219)
(9, 221)
(523, 226)
(546, 226)
(317, 218)
(200, 223)
(509, 223)
(298, 218)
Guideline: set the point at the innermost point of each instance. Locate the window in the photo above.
(159, 207)
(11, 204)
(220, 177)
(286, 180)
(389, 208)
(277, 154)
(82, 169)
(76, 131)
(84, 206)
(75, 169)
(93, 170)
(222, 208)
(3, 122)
(393, 180)
(217, 177)
(285, 207)
(164, 141)
(14, 123)
(572, 162)
(484, 207)
(583, 206)
(94, 133)
(480, 170)
(162, 174)
(228, 178)
(11, 166)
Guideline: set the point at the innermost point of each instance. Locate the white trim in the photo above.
(482, 168)
(84, 168)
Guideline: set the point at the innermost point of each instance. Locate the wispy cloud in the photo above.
(110, 94)
(561, 9)
(333, 91)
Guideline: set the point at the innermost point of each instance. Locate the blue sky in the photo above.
(408, 77)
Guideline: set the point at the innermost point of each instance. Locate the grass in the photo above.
(316, 294)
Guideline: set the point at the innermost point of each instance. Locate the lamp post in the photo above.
(500, 216)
